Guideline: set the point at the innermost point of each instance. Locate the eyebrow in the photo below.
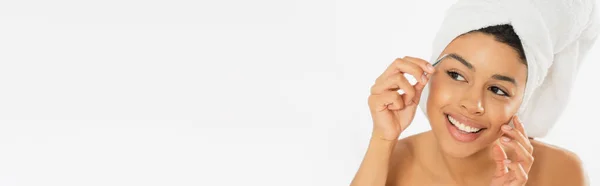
(504, 78)
(461, 60)
(470, 66)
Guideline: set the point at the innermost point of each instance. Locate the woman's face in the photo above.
(477, 88)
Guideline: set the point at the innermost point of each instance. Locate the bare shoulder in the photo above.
(402, 161)
(403, 151)
(555, 166)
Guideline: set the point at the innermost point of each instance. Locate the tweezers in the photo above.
(438, 61)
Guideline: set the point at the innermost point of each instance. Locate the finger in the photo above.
(388, 100)
(391, 83)
(524, 157)
(417, 71)
(403, 66)
(394, 83)
(422, 63)
(519, 125)
(420, 86)
(499, 157)
(418, 91)
(519, 173)
(517, 135)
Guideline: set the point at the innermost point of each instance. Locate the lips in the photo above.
(473, 130)
(463, 127)
(466, 121)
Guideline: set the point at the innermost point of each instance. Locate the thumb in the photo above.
(419, 89)
(499, 156)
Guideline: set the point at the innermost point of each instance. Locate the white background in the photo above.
(264, 92)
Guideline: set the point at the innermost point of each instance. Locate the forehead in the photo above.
(487, 55)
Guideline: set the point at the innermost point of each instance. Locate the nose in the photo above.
(472, 103)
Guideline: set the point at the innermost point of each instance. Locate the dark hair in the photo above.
(506, 34)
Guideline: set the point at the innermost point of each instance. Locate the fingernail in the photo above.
(507, 161)
(430, 67)
(424, 78)
(506, 127)
(505, 139)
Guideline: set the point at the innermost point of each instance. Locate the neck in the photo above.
(463, 170)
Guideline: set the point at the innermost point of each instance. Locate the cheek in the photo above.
(440, 94)
(500, 113)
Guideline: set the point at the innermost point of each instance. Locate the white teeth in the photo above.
(461, 126)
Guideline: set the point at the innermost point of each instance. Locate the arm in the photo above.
(373, 170)
(391, 113)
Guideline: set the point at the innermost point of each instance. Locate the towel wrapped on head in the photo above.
(556, 36)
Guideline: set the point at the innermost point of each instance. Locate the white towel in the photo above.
(555, 34)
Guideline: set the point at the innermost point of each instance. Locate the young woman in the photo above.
(476, 89)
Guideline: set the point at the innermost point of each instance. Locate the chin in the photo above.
(458, 150)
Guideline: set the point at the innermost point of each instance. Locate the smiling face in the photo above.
(475, 90)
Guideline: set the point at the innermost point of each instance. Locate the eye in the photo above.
(455, 76)
(498, 91)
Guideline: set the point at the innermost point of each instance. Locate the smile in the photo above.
(463, 129)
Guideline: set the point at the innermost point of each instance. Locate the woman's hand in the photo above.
(392, 112)
(520, 164)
